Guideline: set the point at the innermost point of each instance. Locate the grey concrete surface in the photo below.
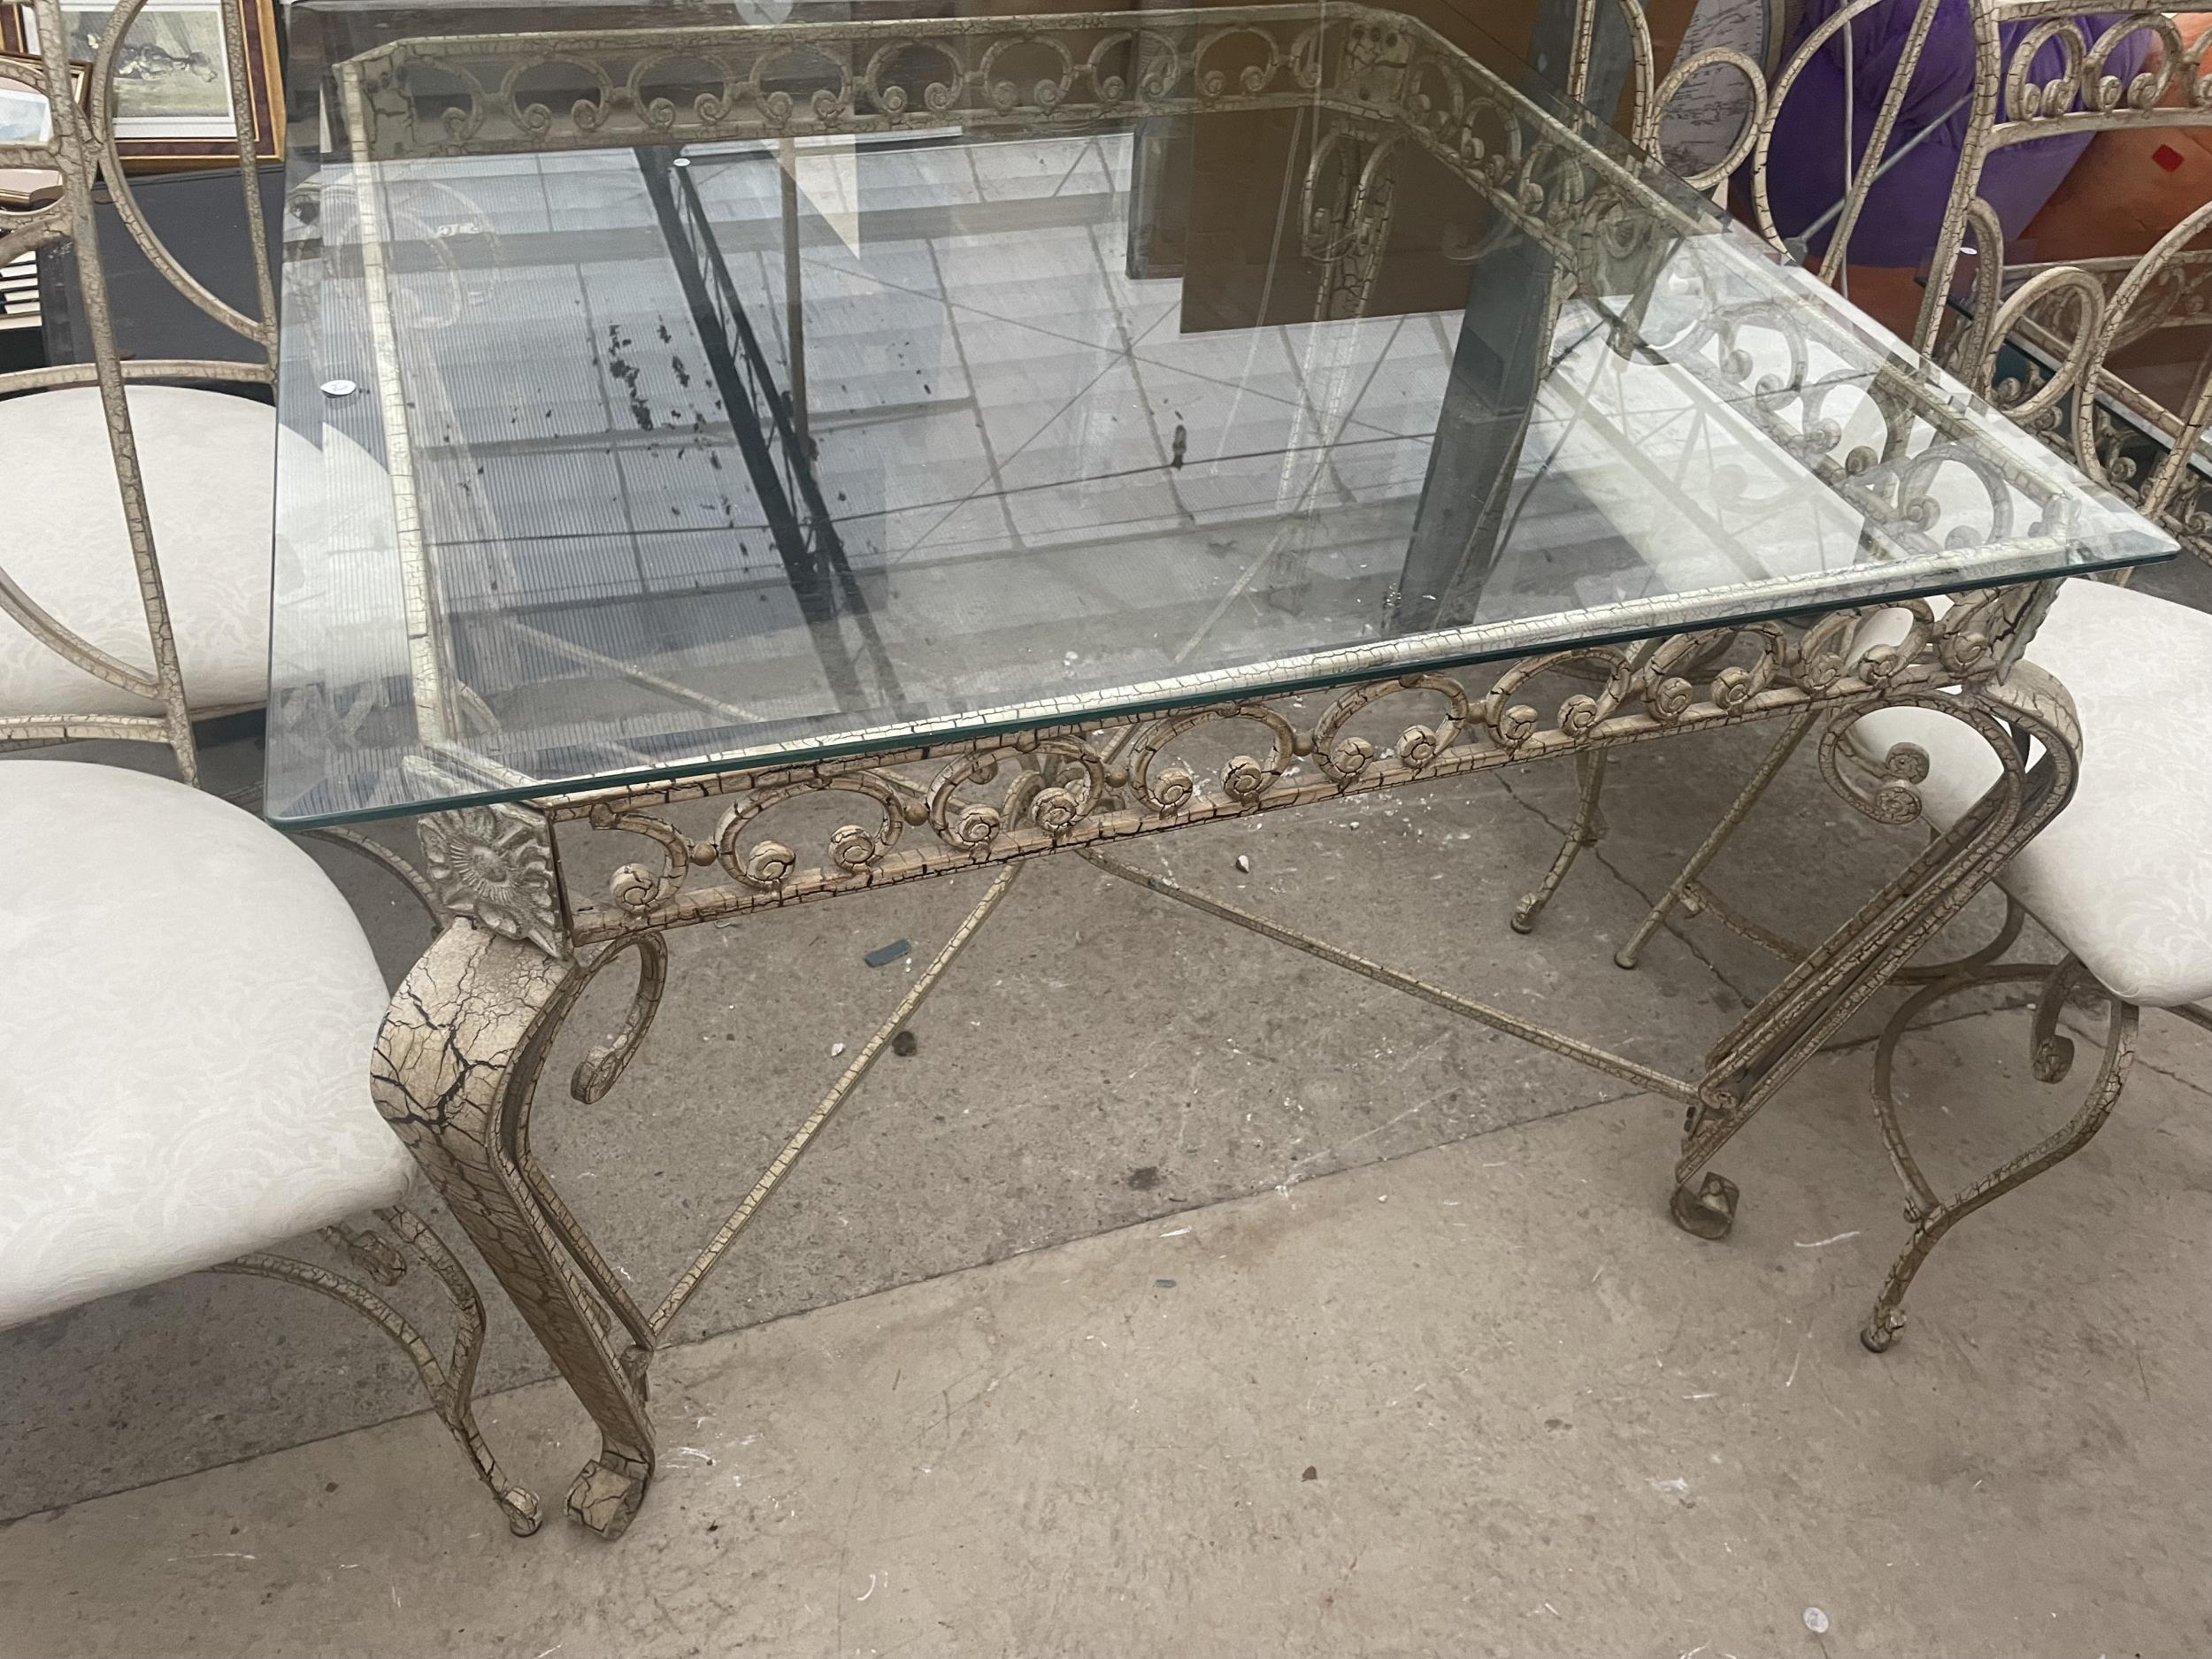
(1482, 1399)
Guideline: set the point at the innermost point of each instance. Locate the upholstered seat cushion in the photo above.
(2124, 876)
(209, 463)
(186, 1021)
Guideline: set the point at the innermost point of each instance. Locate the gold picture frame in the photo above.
(172, 82)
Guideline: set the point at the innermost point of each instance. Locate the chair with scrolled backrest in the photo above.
(121, 454)
(188, 1017)
(1746, 97)
(2051, 78)
(1848, 171)
(2146, 446)
(1731, 103)
(2122, 876)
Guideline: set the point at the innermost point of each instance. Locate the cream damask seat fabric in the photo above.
(186, 1022)
(2122, 877)
(206, 457)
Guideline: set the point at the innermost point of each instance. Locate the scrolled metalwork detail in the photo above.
(1384, 75)
(602, 1068)
(766, 864)
(2085, 85)
(1885, 789)
(1416, 749)
(1036, 795)
(2084, 352)
(634, 887)
(1680, 76)
(991, 799)
(1345, 216)
(1376, 82)
(2068, 392)
(1245, 779)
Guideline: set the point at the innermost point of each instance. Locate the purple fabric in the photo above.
(1904, 209)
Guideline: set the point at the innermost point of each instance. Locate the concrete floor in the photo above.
(1480, 1399)
(2057, 1355)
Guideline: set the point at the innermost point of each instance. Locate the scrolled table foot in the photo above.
(1587, 829)
(1883, 1330)
(1708, 1212)
(607, 1494)
(524, 1514)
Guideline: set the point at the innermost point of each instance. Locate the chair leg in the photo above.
(2052, 1057)
(451, 1385)
(1739, 810)
(1586, 829)
(2195, 1013)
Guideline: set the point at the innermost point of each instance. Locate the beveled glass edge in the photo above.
(1499, 641)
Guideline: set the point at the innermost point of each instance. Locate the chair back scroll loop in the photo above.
(84, 151)
(261, 331)
(2070, 394)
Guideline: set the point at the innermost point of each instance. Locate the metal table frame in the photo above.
(459, 1060)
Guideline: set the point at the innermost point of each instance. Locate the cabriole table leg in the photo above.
(456, 1067)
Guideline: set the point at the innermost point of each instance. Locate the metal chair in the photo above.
(2121, 878)
(186, 1026)
(199, 461)
(2041, 338)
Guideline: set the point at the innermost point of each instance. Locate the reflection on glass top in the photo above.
(632, 433)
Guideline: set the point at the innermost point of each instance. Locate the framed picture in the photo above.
(174, 105)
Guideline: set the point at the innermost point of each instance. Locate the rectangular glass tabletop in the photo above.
(659, 397)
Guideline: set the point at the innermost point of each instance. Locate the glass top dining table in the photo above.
(673, 397)
(958, 426)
